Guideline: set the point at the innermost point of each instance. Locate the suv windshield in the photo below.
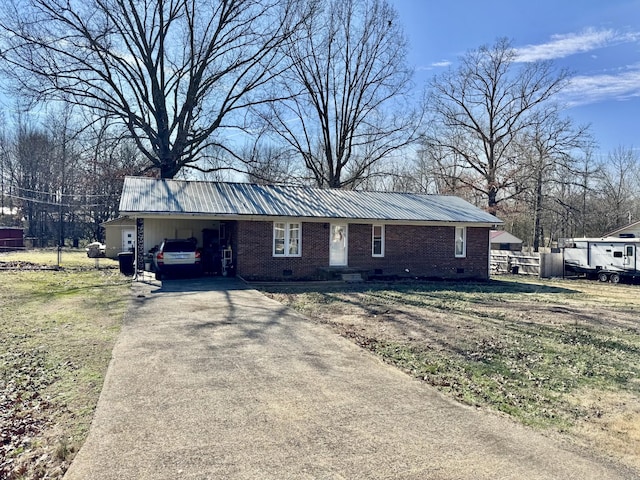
(179, 246)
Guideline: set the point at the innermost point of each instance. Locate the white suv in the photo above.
(177, 256)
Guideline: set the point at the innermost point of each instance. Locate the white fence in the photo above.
(543, 265)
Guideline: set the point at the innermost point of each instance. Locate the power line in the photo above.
(53, 204)
(63, 194)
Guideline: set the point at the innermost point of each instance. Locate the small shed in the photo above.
(11, 238)
(120, 236)
(501, 240)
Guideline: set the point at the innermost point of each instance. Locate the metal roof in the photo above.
(500, 236)
(148, 196)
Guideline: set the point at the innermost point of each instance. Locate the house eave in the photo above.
(271, 218)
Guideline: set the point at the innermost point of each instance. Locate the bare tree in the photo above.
(547, 145)
(66, 159)
(618, 191)
(482, 106)
(31, 175)
(269, 164)
(572, 209)
(43, 171)
(173, 72)
(107, 159)
(446, 169)
(6, 202)
(578, 197)
(347, 86)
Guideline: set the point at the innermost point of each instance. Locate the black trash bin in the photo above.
(125, 260)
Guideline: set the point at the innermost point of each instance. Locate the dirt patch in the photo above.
(561, 355)
(22, 265)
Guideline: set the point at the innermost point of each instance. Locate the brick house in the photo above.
(294, 233)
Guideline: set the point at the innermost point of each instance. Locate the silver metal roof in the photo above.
(147, 196)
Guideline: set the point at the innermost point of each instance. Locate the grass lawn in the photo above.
(561, 355)
(58, 330)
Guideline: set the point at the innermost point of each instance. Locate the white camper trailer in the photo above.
(607, 259)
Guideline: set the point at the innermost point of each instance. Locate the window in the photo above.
(286, 239)
(630, 251)
(461, 241)
(377, 241)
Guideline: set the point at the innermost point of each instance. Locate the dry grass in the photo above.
(59, 327)
(50, 257)
(561, 355)
(612, 422)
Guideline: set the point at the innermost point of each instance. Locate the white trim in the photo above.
(287, 239)
(271, 218)
(456, 236)
(382, 235)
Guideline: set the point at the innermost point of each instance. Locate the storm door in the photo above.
(338, 245)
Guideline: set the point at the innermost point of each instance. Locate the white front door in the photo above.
(338, 245)
(128, 239)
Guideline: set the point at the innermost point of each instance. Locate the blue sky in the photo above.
(597, 40)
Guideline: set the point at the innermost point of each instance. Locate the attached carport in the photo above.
(213, 235)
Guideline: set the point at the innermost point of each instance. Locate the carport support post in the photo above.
(139, 245)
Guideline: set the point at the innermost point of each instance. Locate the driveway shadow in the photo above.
(199, 284)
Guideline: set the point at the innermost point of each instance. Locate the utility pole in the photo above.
(61, 237)
(3, 160)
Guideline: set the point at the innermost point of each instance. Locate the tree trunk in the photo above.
(169, 168)
(492, 204)
(537, 212)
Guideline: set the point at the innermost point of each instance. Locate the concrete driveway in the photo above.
(211, 380)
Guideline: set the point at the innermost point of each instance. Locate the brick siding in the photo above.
(410, 251)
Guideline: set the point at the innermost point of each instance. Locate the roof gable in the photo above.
(631, 228)
(150, 196)
(500, 236)
(120, 221)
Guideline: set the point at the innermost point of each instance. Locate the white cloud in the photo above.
(431, 66)
(584, 90)
(565, 45)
